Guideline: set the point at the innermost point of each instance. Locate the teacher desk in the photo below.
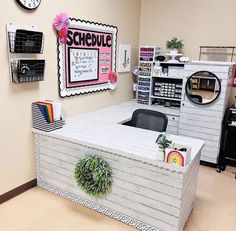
(146, 193)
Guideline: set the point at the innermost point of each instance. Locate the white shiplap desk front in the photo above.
(146, 194)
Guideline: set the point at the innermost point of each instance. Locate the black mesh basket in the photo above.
(28, 70)
(24, 41)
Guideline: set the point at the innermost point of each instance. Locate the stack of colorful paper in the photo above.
(50, 110)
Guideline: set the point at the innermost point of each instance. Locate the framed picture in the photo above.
(87, 58)
(124, 58)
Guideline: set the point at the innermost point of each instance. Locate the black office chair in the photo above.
(196, 98)
(149, 119)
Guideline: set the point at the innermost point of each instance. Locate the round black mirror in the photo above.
(203, 87)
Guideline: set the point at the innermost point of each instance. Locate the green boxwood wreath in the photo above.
(93, 175)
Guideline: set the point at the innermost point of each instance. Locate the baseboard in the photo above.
(15, 192)
(208, 164)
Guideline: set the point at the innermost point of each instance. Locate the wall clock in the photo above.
(29, 4)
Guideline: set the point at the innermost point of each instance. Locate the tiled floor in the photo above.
(38, 210)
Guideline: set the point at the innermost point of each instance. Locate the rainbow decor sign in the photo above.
(175, 157)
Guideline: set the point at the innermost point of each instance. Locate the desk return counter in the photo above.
(146, 193)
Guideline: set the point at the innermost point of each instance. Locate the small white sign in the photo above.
(124, 58)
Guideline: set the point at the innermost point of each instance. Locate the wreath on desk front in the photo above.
(93, 175)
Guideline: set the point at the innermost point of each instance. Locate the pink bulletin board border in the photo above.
(67, 88)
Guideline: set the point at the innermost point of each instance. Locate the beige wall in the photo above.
(16, 140)
(197, 22)
(202, 22)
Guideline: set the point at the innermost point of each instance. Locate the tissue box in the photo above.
(175, 156)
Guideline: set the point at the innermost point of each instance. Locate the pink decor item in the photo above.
(112, 77)
(63, 35)
(61, 21)
(61, 24)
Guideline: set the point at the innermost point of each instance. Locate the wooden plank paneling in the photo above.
(216, 107)
(199, 129)
(72, 150)
(202, 124)
(49, 171)
(212, 160)
(197, 111)
(49, 156)
(200, 135)
(222, 71)
(207, 119)
(130, 183)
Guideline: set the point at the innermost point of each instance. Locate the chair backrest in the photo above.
(149, 119)
(196, 98)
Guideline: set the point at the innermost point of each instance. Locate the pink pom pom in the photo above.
(61, 21)
(112, 77)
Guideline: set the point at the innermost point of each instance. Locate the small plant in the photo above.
(174, 43)
(163, 142)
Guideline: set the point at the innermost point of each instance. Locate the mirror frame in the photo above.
(213, 75)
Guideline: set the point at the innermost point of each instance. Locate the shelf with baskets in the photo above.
(25, 44)
(166, 91)
(147, 56)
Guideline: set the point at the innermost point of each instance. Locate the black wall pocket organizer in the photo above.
(25, 44)
(26, 41)
(28, 70)
(39, 121)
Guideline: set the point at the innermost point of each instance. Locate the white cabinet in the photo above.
(166, 91)
(204, 121)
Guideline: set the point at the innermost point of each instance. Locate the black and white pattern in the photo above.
(99, 208)
(40, 123)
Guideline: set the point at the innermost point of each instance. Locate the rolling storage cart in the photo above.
(228, 145)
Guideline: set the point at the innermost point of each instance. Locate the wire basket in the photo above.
(27, 70)
(24, 41)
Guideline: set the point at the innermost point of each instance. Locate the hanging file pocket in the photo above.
(28, 70)
(25, 41)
